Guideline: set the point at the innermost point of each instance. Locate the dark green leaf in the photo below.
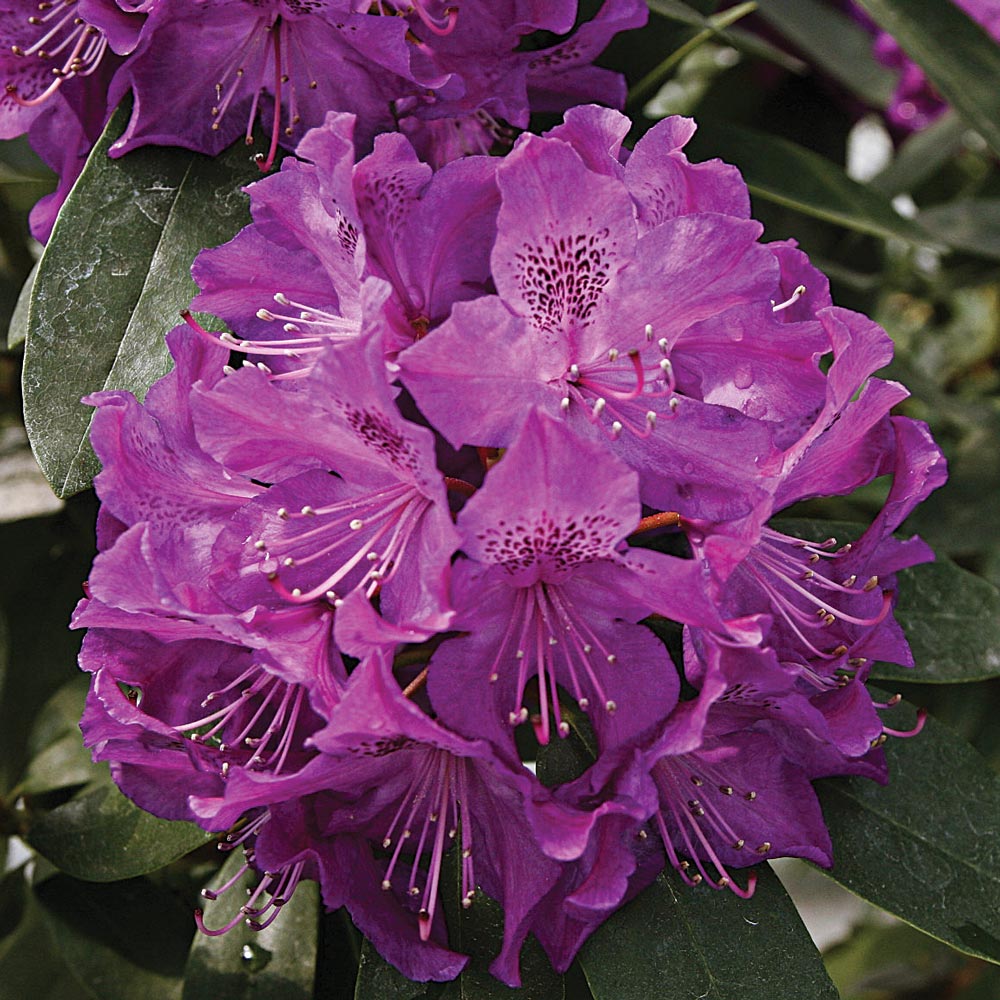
(478, 931)
(835, 43)
(122, 941)
(45, 561)
(705, 944)
(58, 756)
(969, 224)
(111, 283)
(277, 963)
(958, 56)
(60, 765)
(925, 847)
(30, 963)
(100, 836)
(790, 175)
(378, 980)
(18, 328)
(952, 620)
(921, 155)
(750, 42)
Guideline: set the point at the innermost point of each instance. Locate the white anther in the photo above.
(553, 641)
(288, 561)
(649, 331)
(651, 418)
(616, 429)
(283, 513)
(357, 524)
(574, 372)
(610, 706)
(612, 659)
(564, 728)
(663, 344)
(587, 648)
(613, 354)
(308, 511)
(282, 299)
(599, 405)
(584, 703)
(228, 370)
(665, 366)
(296, 592)
(266, 315)
(564, 404)
(673, 405)
(260, 545)
(262, 367)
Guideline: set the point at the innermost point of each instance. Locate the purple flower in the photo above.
(389, 795)
(290, 64)
(549, 591)
(587, 312)
(58, 68)
(601, 346)
(322, 225)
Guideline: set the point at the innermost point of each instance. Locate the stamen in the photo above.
(790, 301)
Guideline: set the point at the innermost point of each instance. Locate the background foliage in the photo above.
(96, 896)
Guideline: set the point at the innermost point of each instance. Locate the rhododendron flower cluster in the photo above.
(204, 72)
(476, 436)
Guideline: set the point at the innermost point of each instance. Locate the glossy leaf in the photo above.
(110, 285)
(790, 175)
(378, 980)
(122, 941)
(959, 58)
(277, 963)
(951, 618)
(698, 942)
(100, 836)
(926, 846)
(834, 43)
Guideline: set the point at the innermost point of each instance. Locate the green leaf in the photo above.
(790, 175)
(746, 41)
(110, 285)
(18, 328)
(478, 931)
(921, 154)
(378, 980)
(45, 561)
(64, 763)
(705, 944)
(277, 963)
(969, 224)
(30, 963)
(833, 42)
(95, 928)
(58, 756)
(924, 847)
(100, 836)
(958, 56)
(951, 618)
